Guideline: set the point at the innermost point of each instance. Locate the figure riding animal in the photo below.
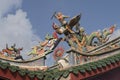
(9, 51)
(66, 29)
(79, 39)
(13, 52)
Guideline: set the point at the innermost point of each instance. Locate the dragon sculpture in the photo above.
(79, 39)
(101, 36)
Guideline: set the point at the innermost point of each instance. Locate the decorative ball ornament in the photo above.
(58, 53)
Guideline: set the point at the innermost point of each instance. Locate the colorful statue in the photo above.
(43, 46)
(17, 52)
(81, 35)
(101, 36)
(66, 29)
(9, 51)
(78, 39)
(105, 33)
(49, 44)
(36, 50)
(65, 26)
(61, 18)
(13, 52)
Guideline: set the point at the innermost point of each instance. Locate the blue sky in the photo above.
(96, 14)
(25, 22)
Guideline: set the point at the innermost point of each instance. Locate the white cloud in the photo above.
(8, 5)
(15, 28)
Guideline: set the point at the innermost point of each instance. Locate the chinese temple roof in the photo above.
(56, 74)
(86, 57)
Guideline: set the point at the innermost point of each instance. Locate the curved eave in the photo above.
(94, 72)
(27, 61)
(74, 73)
